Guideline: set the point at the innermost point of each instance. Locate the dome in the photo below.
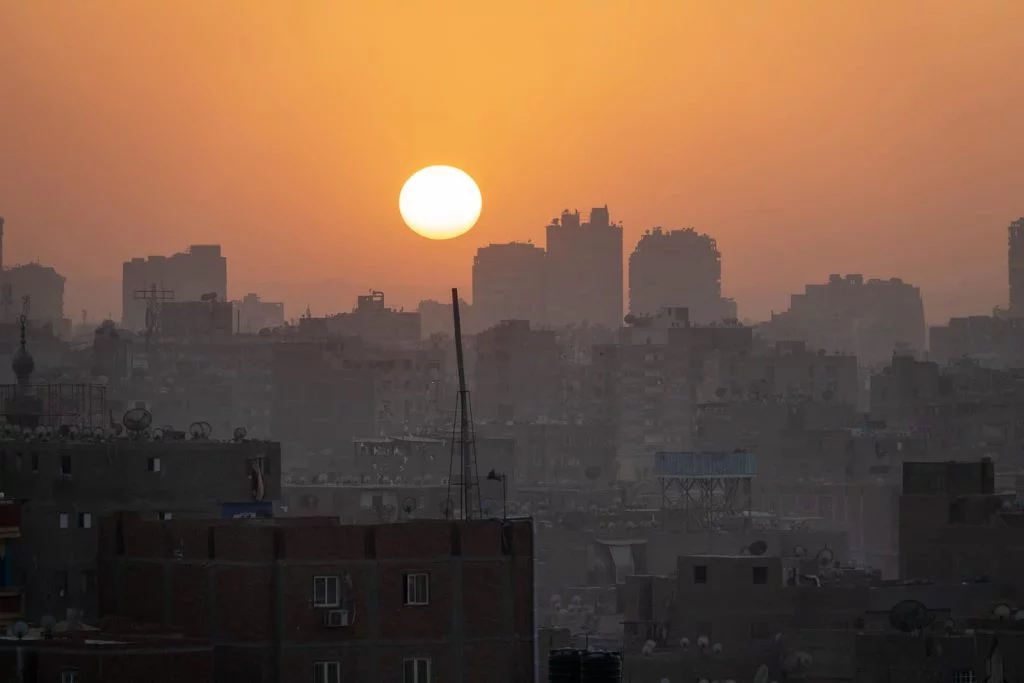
(23, 364)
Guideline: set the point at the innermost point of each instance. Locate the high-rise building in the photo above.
(871, 320)
(1015, 254)
(518, 373)
(255, 314)
(678, 269)
(584, 273)
(508, 283)
(190, 276)
(45, 288)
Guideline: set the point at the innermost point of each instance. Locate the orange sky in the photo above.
(808, 137)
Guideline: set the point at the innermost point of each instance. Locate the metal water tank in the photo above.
(601, 667)
(564, 666)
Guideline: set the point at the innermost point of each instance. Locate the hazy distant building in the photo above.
(255, 314)
(45, 287)
(1015, 254)
(436, 318)
(190, 276)
(508, 283)
(195, 320)
(992, 341)
(584, 271)
(678, 269)
(871, 320)
(374, 322)
(517, 373)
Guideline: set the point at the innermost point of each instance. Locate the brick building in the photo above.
(67, 484)
(312, 600)
(953, 527)
(98, 656)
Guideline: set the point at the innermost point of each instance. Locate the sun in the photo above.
(440, 202)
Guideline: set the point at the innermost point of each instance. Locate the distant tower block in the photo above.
(707, 485)
(1016, 263)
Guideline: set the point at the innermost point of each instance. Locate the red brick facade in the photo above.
(250, 586)
(106, 658)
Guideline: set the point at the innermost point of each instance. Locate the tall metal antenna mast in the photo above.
(464, 419)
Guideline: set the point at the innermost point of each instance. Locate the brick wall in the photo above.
(249, 585)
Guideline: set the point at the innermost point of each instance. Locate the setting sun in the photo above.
(440, 202)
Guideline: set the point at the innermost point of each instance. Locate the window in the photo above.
(965, 676)
(760, 575)
(759, 629)
(65, 465)
(417, 670)
(325, 591)
(69, 676)
(35, 462)
(417, 589)
(64, 520)
(153, 464)
(84, 520)
(700, 574)
(88, 582)
(326, 672)
(164, 516)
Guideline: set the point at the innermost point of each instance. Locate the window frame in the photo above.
(322, 672)
(327, 603)
(416, 663)
(69, 676)
(410, 592)
(84, 520)
(63, 520)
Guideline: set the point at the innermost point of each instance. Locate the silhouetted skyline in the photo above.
(806, 139)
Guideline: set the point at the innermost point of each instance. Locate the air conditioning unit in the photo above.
(336, 618)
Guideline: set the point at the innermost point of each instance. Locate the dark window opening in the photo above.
(760, 575)
(700, 574)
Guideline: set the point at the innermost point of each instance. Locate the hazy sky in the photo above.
(808, 137)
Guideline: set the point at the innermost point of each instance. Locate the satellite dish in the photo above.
(762, 674)
(48, 623)
(1002, 611)
(20, 630)
(909, 616)
(799, 551)
(825, 557)
(757, 548)
(409, 505)
(240, 433)
(200, 430)
(135, 421)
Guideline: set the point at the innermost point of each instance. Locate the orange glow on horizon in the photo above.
(807, 138)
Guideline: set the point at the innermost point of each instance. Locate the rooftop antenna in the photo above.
(154, 299)
(463, 440)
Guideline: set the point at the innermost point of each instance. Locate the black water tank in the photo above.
(601, 667)
(564, 666)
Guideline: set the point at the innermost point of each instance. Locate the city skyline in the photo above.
(764, 132)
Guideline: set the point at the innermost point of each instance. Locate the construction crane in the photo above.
(465, 441)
